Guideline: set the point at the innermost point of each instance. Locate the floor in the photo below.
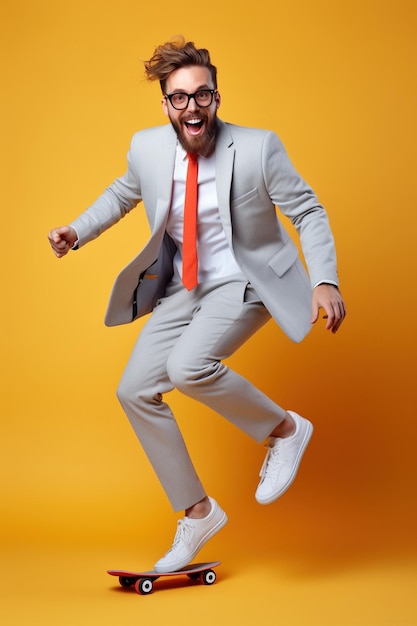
(51, 582)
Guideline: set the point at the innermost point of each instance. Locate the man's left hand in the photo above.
(329, 298)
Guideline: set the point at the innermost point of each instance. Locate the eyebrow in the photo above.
(202, 87)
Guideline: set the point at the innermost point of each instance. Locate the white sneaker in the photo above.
(190, 537)
(282, 460)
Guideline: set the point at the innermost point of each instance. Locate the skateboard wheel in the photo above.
(143, 586)
(125, 581)
(208, 577)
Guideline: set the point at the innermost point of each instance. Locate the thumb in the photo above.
(314, 313)
(62, 233)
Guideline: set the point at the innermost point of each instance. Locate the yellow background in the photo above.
(337, 82)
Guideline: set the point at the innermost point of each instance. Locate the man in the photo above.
(202, 309)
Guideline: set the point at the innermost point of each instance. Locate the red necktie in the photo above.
(189, 244)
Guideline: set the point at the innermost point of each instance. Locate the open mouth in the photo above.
(194, 125)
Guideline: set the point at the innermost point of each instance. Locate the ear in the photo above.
(217, 99)
(164, 103)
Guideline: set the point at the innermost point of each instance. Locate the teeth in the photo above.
(194, 121)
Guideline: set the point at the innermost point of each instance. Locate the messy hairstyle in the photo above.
(175, 54)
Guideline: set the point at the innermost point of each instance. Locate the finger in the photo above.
(330, 320)
(60, 249)
(314, 314)
(339, 317)
(54, 237)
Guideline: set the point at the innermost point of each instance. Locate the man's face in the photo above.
(195, 125)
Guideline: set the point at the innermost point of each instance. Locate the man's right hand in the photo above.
(62, 239)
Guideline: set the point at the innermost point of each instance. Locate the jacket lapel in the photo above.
(225, 155)
(165, 175)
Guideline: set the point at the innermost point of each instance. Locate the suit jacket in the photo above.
(253, 176)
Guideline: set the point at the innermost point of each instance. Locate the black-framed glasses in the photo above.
(181, 100)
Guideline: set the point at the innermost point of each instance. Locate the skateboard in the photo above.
(143, 581)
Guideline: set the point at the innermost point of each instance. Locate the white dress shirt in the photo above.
(215, 258)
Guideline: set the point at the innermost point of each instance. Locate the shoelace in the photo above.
(271, 463)
(184, 530)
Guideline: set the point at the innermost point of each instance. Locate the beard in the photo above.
(203, 144)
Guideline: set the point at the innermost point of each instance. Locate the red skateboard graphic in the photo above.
(143, 581)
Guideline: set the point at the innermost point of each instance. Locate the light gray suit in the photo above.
(253, 175)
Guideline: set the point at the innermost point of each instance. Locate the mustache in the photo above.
(191, 116)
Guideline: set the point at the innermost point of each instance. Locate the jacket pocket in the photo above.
(245, 198)
(146, 285)
(284, 258)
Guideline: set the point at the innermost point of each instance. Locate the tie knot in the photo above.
(192, 156)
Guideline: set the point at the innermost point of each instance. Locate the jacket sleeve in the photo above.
(298, 202)
(113, 204)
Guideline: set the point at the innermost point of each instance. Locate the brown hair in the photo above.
(175, 54)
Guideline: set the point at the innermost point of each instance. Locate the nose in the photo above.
(192, 103)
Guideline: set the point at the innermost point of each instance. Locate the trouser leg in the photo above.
(223, 323)
(140, 392)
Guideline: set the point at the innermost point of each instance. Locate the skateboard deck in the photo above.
(143, 581)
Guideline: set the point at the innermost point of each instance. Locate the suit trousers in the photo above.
(183, 345)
